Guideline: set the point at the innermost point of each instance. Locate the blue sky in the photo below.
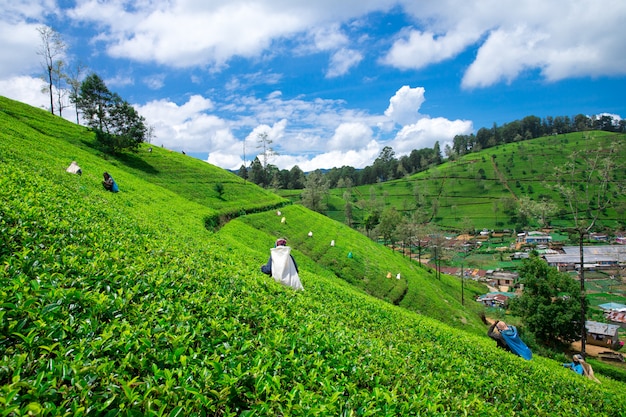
(330, 82)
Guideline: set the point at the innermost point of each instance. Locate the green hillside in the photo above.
(126, 304)
(481, 187)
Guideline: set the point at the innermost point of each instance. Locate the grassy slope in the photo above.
(370, 265)
(125, 303)
(510, 171)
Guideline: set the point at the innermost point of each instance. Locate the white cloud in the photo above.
(562, 40)
(327, 38)
(350, 135)
(419, 49)
(404, 106)
(155, 81)
(25, 89)
(19, 43)
(188, 127)
(189, 34)
(342, 61)
(274, 133)
(357, 158)
(426, 132)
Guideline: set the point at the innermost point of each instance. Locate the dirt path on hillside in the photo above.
(501, 177)
(591, 350)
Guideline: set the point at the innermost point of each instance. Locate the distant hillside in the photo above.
(126, 304)
(484, 188)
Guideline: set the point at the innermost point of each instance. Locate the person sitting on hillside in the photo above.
(74, 169)
(507, 338)
(575, 365)
(109, 183)
(581, 367)
(282, 266)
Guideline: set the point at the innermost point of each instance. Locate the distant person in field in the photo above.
(508, 339)
(575, 365)
(581, 367)
(282, 266)
(109, 183)
(74, 169)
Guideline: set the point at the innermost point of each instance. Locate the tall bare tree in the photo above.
(51, 50)
(73, 76)
(60, 92)
(265, 144)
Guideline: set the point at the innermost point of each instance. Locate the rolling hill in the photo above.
(128, 304)
(482, 188)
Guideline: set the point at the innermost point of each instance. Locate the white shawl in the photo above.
(283, 267)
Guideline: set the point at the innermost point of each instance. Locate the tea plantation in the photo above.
(126, 304)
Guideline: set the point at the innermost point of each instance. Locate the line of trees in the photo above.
(387, 167)
(530, 127)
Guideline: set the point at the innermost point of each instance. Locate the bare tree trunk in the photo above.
(50, 89)
(583, 330)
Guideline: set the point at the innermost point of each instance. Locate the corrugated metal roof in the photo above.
(601, 328)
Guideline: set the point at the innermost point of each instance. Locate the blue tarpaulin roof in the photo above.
(612, 306)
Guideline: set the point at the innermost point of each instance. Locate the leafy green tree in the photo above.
(126, 126)
(389, 221)
(96, 102)
(315, 191)
(297, 178)
(117, 124)
(257, 173)
(243, 172)
(384, 166)
(550, 304)
(371, 220)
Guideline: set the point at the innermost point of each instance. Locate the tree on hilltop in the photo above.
(117, 124)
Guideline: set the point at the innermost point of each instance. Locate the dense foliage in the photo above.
(117, 124)
(550, 304)
(124, 304)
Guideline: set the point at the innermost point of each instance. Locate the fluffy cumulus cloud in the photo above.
(562, 40)
(357, 158)
(416, 49)
(188, 127)
(405, 104)
(350, 135)
(427, 131)
(182, 34)
(25, 89)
